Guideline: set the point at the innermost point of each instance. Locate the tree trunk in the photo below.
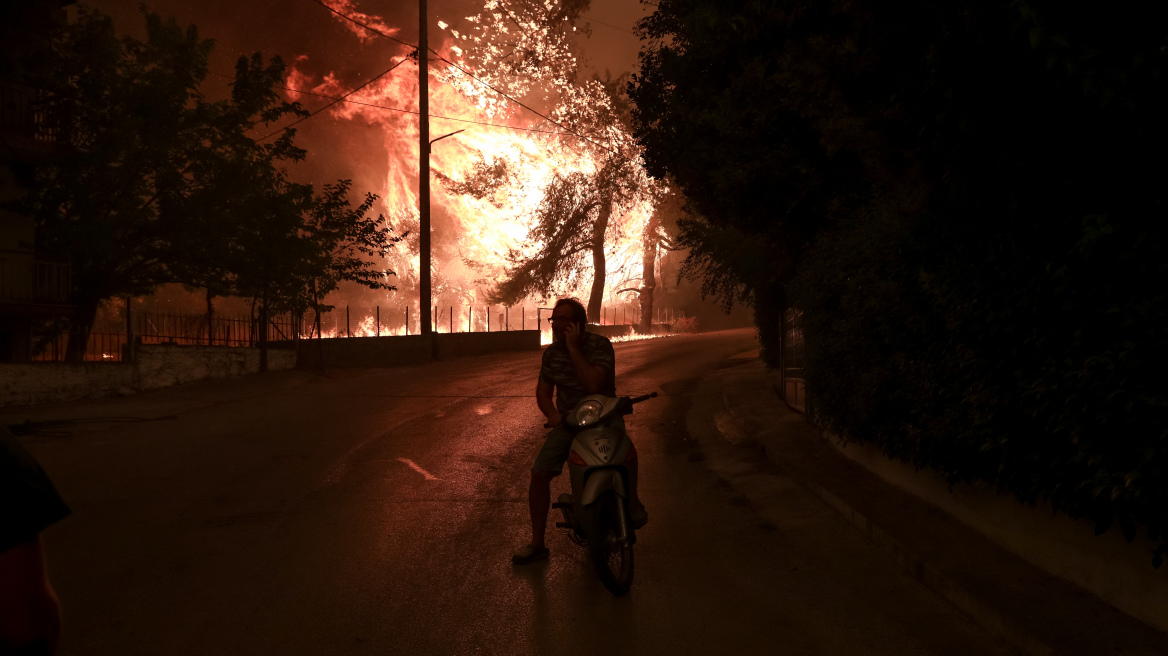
(210, 318)
(648, 274)
(598, 264)
(316, 309)
(79, 329)
(319, 337)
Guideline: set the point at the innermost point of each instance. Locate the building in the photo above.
(34, 292)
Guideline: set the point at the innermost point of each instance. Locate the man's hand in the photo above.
(572, 337)
(555, 419)
(591, 377)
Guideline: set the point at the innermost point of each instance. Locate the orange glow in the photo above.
(475, 236)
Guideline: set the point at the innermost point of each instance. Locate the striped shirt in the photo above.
(557, 369)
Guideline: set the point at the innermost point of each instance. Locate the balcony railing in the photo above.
(20, 114)
(34, 281)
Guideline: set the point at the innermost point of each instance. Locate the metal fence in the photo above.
(793, 360)
(102, 347)
(166, 328)
(194, 329)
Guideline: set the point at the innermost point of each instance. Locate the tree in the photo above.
(345, 238)
(958, 198)
(305, 244)
(655, 237)
(522, 48)
(234, 183)
(145, 142)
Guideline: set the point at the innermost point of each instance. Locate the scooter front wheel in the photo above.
(612, 556)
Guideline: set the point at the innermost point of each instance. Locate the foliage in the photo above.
(144, 144)
(236, 186)
(521, 48)
(347, 241)
(965, 201)
(161, 185)
(564, 228)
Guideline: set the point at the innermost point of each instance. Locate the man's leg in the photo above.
(539, 500)
(636, 509)
(634, 498)
(548, 464)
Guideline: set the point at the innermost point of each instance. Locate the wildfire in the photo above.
(473, 237)
(633, 337)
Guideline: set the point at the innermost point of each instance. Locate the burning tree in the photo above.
(520, 48)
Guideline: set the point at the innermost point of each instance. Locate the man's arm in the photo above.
(591, 376)
(547, 405)
(30, 619)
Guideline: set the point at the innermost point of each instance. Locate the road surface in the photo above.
(375, 512)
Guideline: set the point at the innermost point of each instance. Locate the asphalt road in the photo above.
(375, 512)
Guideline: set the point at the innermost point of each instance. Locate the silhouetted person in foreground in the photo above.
(577, 363)
(30, 619)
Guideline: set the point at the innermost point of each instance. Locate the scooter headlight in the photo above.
(588, 412)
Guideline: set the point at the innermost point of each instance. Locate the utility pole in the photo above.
(424, 169)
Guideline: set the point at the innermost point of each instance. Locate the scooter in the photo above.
(596, 513)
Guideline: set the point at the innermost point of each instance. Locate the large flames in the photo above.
(473, 237)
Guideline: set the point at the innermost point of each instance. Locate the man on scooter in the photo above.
(576, 364)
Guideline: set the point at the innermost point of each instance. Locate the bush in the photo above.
(1038, 373)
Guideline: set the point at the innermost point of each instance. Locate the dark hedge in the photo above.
(967, 202)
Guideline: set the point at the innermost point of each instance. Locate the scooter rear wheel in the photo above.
(612, 557)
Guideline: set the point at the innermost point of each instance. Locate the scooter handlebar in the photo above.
(638, 399)
(632, 401)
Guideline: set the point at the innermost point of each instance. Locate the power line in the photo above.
(487, 85)
(305, 118)
(371, 29)
(398, 109)
(608, 25)
(465, 72)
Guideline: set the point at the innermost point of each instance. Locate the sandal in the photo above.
(529, 554)
(638, 516)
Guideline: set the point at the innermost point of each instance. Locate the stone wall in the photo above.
(397, 350)
(459, 345)
(156, 366)
(347, 352)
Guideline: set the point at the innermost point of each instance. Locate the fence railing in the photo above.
(194, 329)
(102, 347)
(377, 321)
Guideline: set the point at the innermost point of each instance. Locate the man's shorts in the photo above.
(557, 446)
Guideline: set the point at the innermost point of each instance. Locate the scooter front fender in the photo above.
(601, 481)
